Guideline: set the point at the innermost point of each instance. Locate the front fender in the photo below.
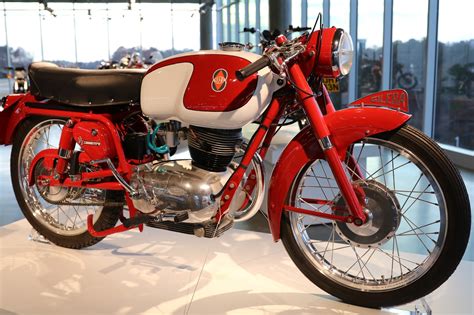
(346, 127)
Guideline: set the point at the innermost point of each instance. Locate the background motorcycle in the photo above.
(369, 208)
(20, 80)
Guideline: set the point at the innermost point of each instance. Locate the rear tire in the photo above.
(437, 267)
(35, 208)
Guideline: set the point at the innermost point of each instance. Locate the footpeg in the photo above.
(141, 219)
(180, 217)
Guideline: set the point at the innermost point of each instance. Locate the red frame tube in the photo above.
(272, 114)
(249, 184)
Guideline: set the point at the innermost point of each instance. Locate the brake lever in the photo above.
(288, 51)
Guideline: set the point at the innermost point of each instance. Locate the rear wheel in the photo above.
(57, 213)
(416, 235)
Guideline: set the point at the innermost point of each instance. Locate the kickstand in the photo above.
(425, 309)
(35, 236)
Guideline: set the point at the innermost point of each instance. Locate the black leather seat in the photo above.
(86, 88)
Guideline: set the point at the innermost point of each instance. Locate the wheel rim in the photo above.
(66, 220)
(408, 253)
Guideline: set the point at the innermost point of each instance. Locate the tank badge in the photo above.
(219, 80)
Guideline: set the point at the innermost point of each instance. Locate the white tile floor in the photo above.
(156, 272)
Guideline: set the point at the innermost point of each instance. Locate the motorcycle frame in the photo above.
(326, 134)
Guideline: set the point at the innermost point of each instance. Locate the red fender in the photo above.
(10, 115)
(346, 126)
(49, 155)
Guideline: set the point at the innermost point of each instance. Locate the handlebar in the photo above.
(252, 68)
(250, 30)
(298, 29)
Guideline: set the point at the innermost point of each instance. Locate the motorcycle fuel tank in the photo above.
(200, 88)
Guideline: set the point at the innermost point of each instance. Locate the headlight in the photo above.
(343, 52)
(334, 58)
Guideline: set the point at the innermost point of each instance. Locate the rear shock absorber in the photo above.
(66, 147)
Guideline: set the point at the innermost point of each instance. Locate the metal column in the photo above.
(258, 25)
(247, 21)
(387, 45)
(237, 23)
(219, 25)
(353, 31)
(431, 71)
(280, 14)
(7, 48)
(326, 13)
(206, 27)
(304, 13)
(229, 29)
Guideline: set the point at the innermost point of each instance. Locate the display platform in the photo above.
(156, 272)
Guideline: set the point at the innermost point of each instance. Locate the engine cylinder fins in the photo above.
(213, 149)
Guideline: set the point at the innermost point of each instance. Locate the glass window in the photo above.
(233, 17)
(340, 14)
(26, 46)
(454, 119)
(5, 85)
(254, 38)
(409, 53)
(2, 25)
(241, 6)
(186, 27)
(264, 15)
(58, 34)
(124, 30)
(296, 13)
(225, 24)
(369, 46)
(339, 17)
(314, 8)
(91, 18)
(156, 26)
(214, 26)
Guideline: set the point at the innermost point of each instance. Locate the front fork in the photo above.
(322, 133)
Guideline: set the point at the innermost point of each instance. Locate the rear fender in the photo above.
(346, 127)
(48, 156)
(12, 113)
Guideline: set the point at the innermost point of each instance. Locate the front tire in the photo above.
(412, 244)
(61, 224)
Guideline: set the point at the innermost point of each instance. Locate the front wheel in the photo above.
(416, 234)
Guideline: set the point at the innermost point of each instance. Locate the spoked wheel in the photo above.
(407, 81)
(57, 213)
(417, 230)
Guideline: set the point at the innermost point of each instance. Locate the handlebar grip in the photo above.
(252, 68)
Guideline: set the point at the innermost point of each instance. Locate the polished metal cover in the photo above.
(176, 187)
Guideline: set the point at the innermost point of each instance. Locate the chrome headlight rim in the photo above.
(341, 38)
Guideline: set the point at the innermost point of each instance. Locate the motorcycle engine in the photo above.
(180, 188)
(213, 149)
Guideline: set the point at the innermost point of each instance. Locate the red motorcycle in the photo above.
(369, 208)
